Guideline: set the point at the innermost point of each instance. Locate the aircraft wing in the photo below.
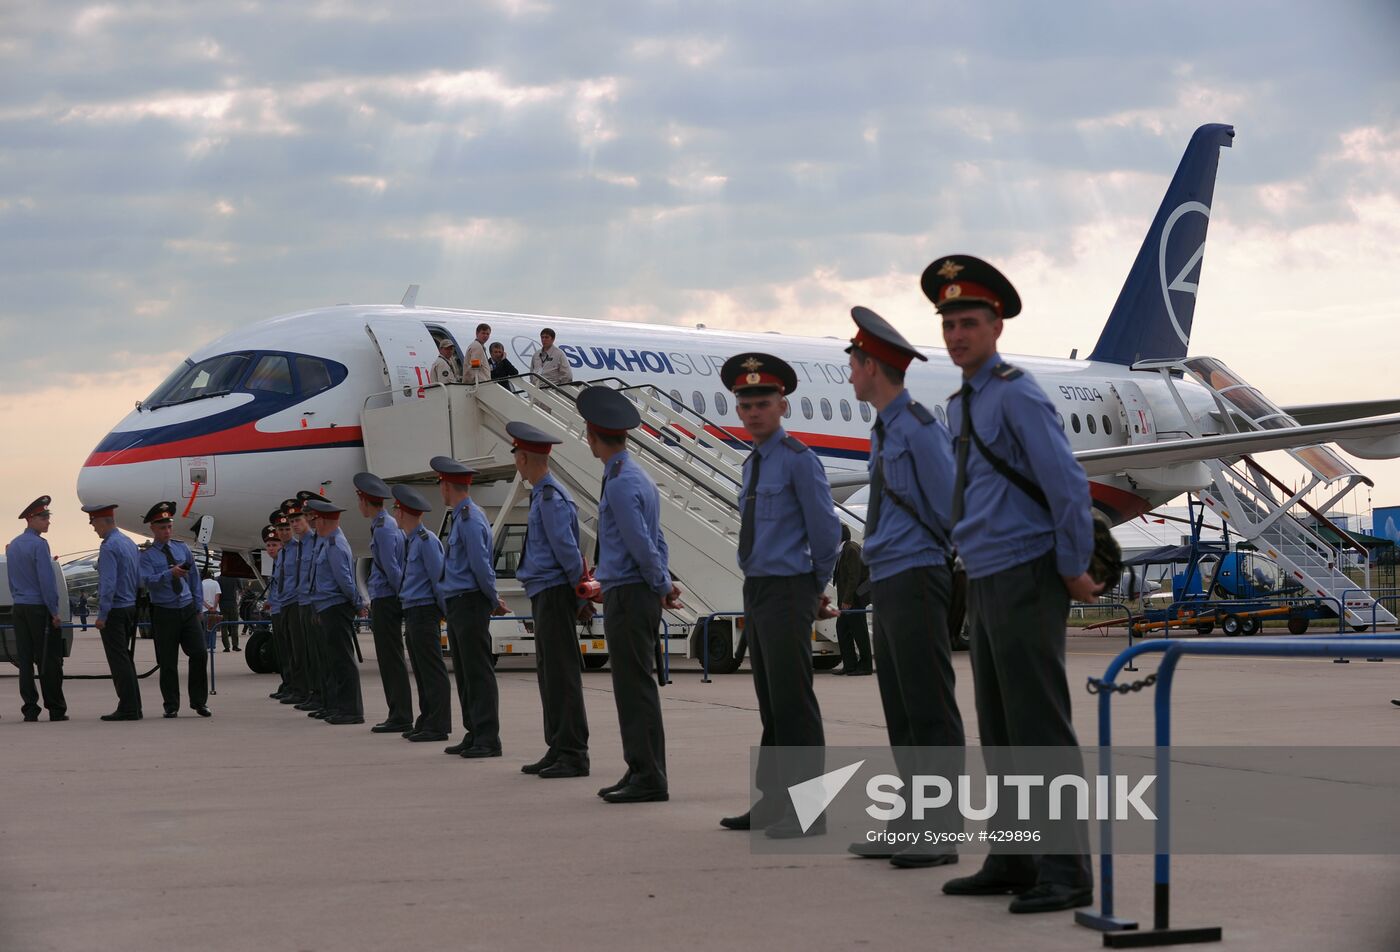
(1116, 459)
(1310, 413)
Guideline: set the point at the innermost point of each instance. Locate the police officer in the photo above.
(168, 572)
(785, 501)
(117, 582)
(636, 581)
(273, 543)
(38, 638)
(303, 520)
(551, 566)
(386, 544)
(287, 574)
(907, 550)
(469, 583)
(424, 605)
(1026, 557)
(336, 599)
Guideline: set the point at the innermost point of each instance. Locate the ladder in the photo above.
(1263, 510)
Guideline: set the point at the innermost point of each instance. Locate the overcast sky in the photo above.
(171, 170)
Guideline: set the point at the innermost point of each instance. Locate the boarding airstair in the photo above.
(696, 463)
(1262, 509)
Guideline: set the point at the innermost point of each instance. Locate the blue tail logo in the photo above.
(1152, 317)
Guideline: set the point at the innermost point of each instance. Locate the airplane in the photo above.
(275, 407)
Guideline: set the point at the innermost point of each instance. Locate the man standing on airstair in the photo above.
(789, 539)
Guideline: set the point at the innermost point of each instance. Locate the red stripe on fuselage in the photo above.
(240, 439)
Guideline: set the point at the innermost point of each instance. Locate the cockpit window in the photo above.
(312, 376)
(272, 374)
(208, 378)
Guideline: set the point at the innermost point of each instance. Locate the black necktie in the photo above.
(964, 440)
(174, 582)
(407, 551)
(311, 582)
(746, 528)
(598, 536)
(877, 478)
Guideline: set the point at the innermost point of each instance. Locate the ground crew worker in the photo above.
(469, 584)
(38, 637)
(312, 637)
(785, 501)
(446, 368)
(386, 543)
(551, 566)
(1025, 558)
(549, 361)
(117, 581)
(288, 577)
(281, 643)
(852, 579)
(907, 550)
(336, 599)
(168, 572)
(424, 606)
(477, 367)
(636, 581)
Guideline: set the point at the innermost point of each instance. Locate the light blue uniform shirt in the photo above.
(117, 574)
(386, 554)
(274, 583)
(467, 561)
(333, 573)
(422, 571)
(1001, 526)
(551, 555)
(796, 531)
(29, 565)
(918, 461)
(629, 524)
(306, 558)
(155, 575)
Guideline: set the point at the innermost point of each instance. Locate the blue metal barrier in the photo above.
(1120, 933)
(1376, 596)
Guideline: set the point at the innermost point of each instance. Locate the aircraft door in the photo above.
(408, 352)
(1134, 412)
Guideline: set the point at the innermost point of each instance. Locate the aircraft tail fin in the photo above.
(1151, 319)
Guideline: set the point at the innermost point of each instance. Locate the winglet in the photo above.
(410, 297)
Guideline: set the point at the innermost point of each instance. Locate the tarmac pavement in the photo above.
(261, 829)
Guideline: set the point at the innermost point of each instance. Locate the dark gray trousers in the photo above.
(386, 620)
(342, 676)
(315, 642)
(230, 631)
(853, 636)
(281, 650)
(176, 630)
(38, 642)
(422, 633)
(116, 643)
(469, 639)
(914, 667)
(296, 639)
(1017, 619)
(778, 616)
(558, 666)
(631, 624)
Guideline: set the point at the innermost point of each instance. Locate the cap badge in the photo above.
(752, 378)
(752, 365)
(952, 291)
(950, 269)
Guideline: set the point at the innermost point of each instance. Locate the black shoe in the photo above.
(1052, 897)
(122, 716)
(171, 714)
(634, 793)
(983, 883)
(293, 699)
(560, 770)
(537, 766)
(871, 850)
(456, 749)
(204, 712)
(309, 706)
(613, 787)
(916, 859)
(236, 648)
(28, 719)
(475, 752)
(426, 737)
(384, 727)
(322, 714)
(345, 719)
(740, 822)
(58, 717)
(225, 651)
(789, 829)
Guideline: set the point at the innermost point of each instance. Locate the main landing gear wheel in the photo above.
(257, 652)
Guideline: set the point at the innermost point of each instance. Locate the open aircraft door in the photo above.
(408, 352)
(1136, 414)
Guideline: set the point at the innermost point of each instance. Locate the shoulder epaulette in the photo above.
(794, 444)
(921, 413)
(423, 532)
(1007, 372)
(548, 492)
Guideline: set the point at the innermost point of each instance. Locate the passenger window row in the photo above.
(805, 406)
